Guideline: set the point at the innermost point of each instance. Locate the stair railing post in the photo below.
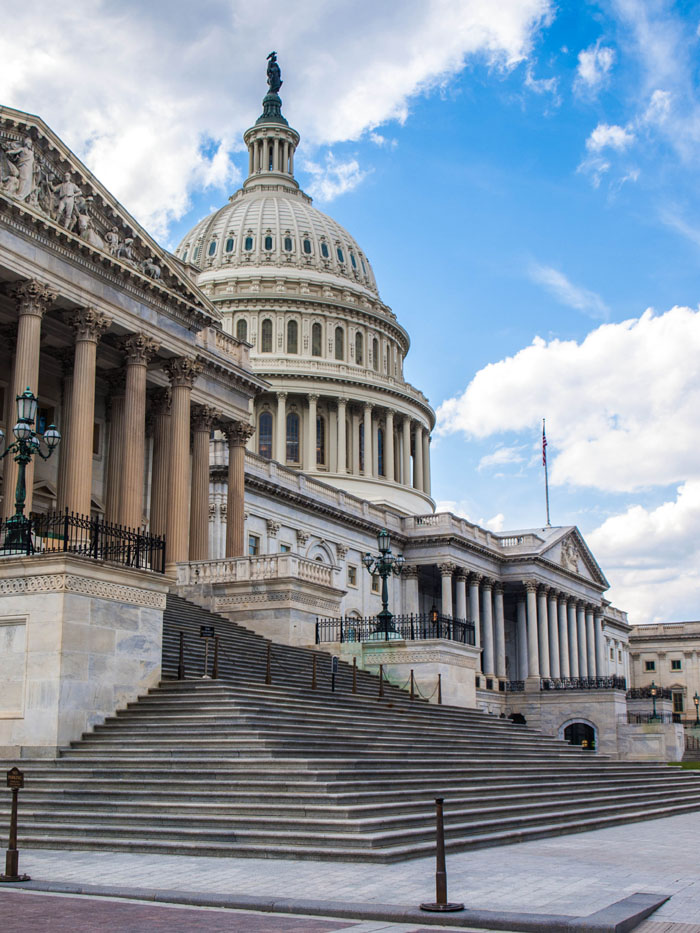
(441, 902)
(439, 689)
(268, 668)
(215, 670)
(413, 694)
(381, 680)
(354, 673)
(313, 672)
(181, 659)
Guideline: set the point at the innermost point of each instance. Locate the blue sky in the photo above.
(524, 179)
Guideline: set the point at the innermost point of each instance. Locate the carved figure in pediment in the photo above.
(67, 193)
(42, 193)
(112, 240)
(86, 229)
(150, 268)
(569, 555)
(124, 250)
(20, 168)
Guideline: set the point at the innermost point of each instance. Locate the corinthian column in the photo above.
(590, 643)
(140, 348)
(389, 447)
(533, 658)
(237, 434)
(522, 639)
(499, 629)
(342, 452)
(446, 571)
(159, 403)
(67, 358)
(426, 463)
(581, 627)
(33, 300)
(474, 606)
(367, 436)
(89, 325)
(543, 630)
(406, 455)
(461, 590)
(182, 371)
(564, 653)
(115, 382)
(487, 615)
(281, 433)
(554, 666)
(203, 418)
(418, 459)
(311, 429)
(573, 639)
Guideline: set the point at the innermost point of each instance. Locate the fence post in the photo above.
(354, 673)
(413, 634)
(215, 670)
(316, 631)
(341, 630)
(381, 680)
(439, 689)
(65, 530)
(441, 902)
(313, 671)
(412, 686)
(268, 669)
(181, 660)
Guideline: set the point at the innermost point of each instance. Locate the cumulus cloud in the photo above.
(502, 456)
(606, 136)
(594, 64)
(333, 177)
(564, 290)
(542, 85)
(461, 509)
(154, 96)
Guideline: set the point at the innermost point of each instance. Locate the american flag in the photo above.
(544, 446)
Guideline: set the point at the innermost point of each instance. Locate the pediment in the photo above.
(43, 179)
(571, 552)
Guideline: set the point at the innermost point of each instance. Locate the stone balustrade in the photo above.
(254, 569)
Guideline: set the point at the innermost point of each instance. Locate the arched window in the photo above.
(184, 256)
(341, 258)
(266, 336)
(242, 328)
(363, 265)
(359, 349)
(380, 451)
(292, 337)
(248, 244)
(288, 245)
(375, 353)
(339, 344)
(320, 440)
(230, 243)
(212, 247)
(324, 250)
(268, 243)
(316, 340)
(265, 435)
(292, 437)
(307, 246)
(361, 446)
(353, 260)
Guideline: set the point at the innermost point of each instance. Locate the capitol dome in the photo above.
(293, 284)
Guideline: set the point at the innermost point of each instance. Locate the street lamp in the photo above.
(26, 445)
(384, 565)
(653, 690)
(696, 700)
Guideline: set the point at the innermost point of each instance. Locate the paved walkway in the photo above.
(570, 875)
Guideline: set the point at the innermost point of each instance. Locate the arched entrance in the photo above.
(580, 733)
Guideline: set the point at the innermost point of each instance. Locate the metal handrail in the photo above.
(412, 627)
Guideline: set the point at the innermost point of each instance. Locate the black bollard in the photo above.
(381, 680)
(181, 659)
(268, 667)
(215, 671)
(354, 674)
(441, 902)
(15, 780)
(334, 671)
(313, 672)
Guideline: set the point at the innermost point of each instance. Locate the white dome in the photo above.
(260, 231)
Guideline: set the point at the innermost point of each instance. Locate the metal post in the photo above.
(313, 672)
(412, 686)
(439, 689)
(181, 660)
(334, 671)
(381, 680)
(354, 674)
(215, 671)
(205, 675)
(15, 780)
(268, 669)
(441, 902)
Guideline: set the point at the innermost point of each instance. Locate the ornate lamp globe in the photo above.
(52, 436)
(26, 406)
(384, 540)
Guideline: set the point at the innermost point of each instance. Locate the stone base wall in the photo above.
(651, 741)
(78, 640)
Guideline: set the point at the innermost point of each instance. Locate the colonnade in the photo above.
(271, 154)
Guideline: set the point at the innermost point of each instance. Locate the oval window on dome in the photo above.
(288, 244)
(307, 247)
(248, 245)
(230, 244)
(268, 242)
(212, 248)
(364, 269)
(341, 258)
(324, 250)
(184, 256)
(353, 260)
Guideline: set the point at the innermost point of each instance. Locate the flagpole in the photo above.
(546, 476)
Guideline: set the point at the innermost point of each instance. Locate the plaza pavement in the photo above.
(573, 876)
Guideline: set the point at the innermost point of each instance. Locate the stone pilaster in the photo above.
(203, 419)
(367, 435)
(237, 434)
(521, 613)
(389, 459)
(281, 432)
(159, 404)
(342, 429)
(406, 453)
(311, 429)
(600, 657)
(446, 571)
(409, 575)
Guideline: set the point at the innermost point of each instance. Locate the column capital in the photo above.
(281, 395)
(410, 571)
(313, 396)
(487, 583)
(89, 324)
(33, 297)
(272, 527)
(237, 433)
(343, 402)
(447, 569)
(368, 406)
(543, 589)
(182, 370)
(498, 587)
(462, 574)
(140, 348)
(530, 586)
(203, 417)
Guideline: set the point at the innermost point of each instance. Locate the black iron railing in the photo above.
(416, 627)
(583, 683)
(644, 693)
(515, 686)
(643, 718)
(58, 532)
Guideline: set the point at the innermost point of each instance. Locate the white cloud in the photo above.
(383, 141)
(594, 64)
(333, 178)
(566, 292)
(501, 457)
(542, 85)
(154, 96)
(658, 108)
(622, 406)
(607, 136)
(461, 508)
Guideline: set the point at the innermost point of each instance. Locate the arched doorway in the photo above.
(580, 733)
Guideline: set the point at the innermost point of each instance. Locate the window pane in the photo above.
(324, 250)
(320, 440)
(229, 245)
(375, 353)
(266, 336)
(307, 246)
(380, 451)
(184, 256)
(316, 349)
(339, 344)
(248, 245)
(352, 260)
(358, 349)
(268, 242)
(362, 447)
(242, 329)
(341, 258)
(265, 435)
(212, 247)
(292, 337)
(288, 244)
(293, 438)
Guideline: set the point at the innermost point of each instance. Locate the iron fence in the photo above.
(644, 693)
(66, 532)
(515, 686)
(637, 719)
(414, 627)
(583, 683)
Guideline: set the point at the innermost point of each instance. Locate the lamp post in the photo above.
(653, 690)
(26, 445)
(696, 700)
(384, 564)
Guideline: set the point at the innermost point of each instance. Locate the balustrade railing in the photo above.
(66, 532)
(644, 693)
(414, 627)
(583, 683)
(254, 569)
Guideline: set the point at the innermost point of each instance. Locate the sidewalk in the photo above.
(573, 875)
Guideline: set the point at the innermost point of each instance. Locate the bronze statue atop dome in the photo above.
(274, 75)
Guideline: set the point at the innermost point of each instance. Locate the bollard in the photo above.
(215, 670)
(268, 669)
(381, 680)
(412, 686)
(334, 671)
(181, 660)
(313, 672)
(15, 780)
(439, 689)
(354, 674)
(441, 902)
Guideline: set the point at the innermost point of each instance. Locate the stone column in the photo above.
(367, 432)
(543, 630)
(276, 159)
(406, 452)
(355, 421)
(581, 629)
(564, 653)
(310, 452)
(418, 459)
(487, 614)
(461, 591)
(522, 638)
(600, 659)
(554, 668)
(237, 434)
(89, 325)
(159, 404)
(573, 639)
(499, 630)
(281, 433)
(375, 447)
(533, 657)
(67, 358)
(203, 418)
(389, 447)
(410, 578)
(590, 643)
(426, 462)
(342, 428)
(446, 571)
(291, 158)
(33, 300)
(116, 383)
(140, 348)
(474, 607)
(182, 372)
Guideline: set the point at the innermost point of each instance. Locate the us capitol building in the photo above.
(243, 400)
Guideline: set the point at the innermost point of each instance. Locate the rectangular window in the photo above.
(676, 664)
(352, 575)
(612, 654)
(375, 583)
(677, 702)
(253, 545)
(44, 417)
(285, 548)
(619, 655)
(650, 665)
(96, 437)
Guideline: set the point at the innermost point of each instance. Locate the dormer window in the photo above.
(353, 260)
(184, 256)
(341, 258)
(288, 244)
(324, 250)
(230, 243)
(307, 246)
(364, 269)
(212, 248)
(268, 243)
(248, 245)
